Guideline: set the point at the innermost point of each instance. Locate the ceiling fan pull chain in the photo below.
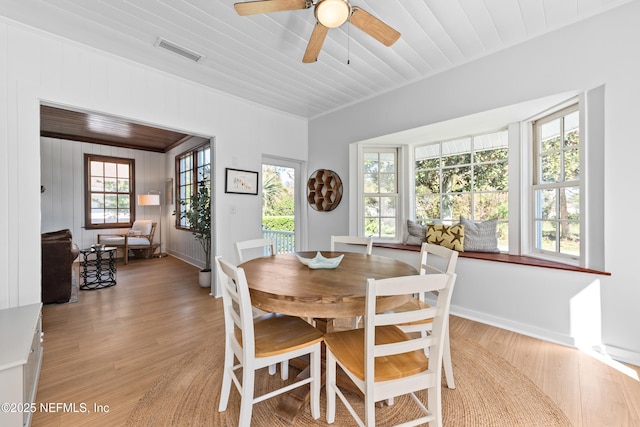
(349, 44)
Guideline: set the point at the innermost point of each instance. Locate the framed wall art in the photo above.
(240, 181)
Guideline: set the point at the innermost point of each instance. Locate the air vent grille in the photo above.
(184, 52)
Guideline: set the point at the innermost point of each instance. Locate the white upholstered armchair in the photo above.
(139, 238)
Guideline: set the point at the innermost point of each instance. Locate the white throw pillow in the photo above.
(143, 226)
(480, 236)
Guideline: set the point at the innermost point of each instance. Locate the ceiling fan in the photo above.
(329, 14)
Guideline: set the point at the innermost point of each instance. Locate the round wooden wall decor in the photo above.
(325, 190)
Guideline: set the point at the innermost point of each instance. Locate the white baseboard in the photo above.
(618, 354)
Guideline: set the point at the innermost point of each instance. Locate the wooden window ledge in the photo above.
(510, 259)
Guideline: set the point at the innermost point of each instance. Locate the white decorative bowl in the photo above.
(320, 262)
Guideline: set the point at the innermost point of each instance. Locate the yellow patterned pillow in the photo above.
(449, 236)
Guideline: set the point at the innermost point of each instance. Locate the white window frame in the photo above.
(473, 165)
(536, 185)
(592, 128)
(359, 194)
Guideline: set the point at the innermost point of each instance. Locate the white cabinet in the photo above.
(20, 361)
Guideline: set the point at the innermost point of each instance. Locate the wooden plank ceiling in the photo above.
(107, 130)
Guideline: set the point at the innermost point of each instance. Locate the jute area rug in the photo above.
(489, 392)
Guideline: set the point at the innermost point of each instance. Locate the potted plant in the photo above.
(197, 212)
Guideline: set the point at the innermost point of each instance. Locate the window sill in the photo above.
(510, 259)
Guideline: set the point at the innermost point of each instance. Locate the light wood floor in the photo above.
(110, 347)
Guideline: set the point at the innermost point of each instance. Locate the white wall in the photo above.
(35, 67)
(541, 302)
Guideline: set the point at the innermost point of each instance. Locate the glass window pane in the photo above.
(387, 162)
(503, 236)
(110, 215)
(97, 216)
(371, 206)
(427, 182)
(97, 184)
(388, 206)
(490, 205)
(428, 207)
(547, 235)
(123, 185)
(123, 201)
(491, 155)
(97, 168)
(571, 129)
(570, 203)
(111, 170)
(571, 165)
(427, 164)
(371, 162)
(550, 135)
(546, 204)
(110, 185)
(387, 183)
(111, 201)
(570, 238)
(123, 215)
(491, 176)
(123, 170)
(454, 205)
(387, 227)
(371, 227)
(550, 167)
(97, 200)
(370, 183)
(456, 179)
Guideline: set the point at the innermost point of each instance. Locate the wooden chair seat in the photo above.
(347, 346)
(276, 334)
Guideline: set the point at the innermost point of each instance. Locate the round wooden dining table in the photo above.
(282, 284)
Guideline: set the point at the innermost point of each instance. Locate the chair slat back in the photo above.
(353, 240)
(237, 307)
(437, 259)
(268, 248)
(441, 283)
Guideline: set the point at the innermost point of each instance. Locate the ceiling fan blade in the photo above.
(267, 6)
(374, 27)
(315, 43)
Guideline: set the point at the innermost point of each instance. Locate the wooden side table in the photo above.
(97, 267)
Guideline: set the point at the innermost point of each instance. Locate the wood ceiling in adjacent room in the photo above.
(106, 130)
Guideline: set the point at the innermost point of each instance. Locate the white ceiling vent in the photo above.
(182, 51)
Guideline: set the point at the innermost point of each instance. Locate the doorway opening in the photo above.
(281, 203)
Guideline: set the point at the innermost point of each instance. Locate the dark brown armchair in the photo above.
(58, 254)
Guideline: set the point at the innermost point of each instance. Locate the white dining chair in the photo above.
(383, 361)
(247, 250)
(252, 344)
(250, 249)
(367, 242)
(434, 259)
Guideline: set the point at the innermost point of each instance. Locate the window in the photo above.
(380, 192)
(193, 169)
(466, 176)
(556, 184)
(109, 190)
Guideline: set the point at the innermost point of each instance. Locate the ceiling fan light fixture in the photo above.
(332, 13)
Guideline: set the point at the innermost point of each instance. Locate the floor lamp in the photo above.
(153, 200)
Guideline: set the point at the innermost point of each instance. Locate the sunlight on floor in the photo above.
(606, 359)
(586, 321)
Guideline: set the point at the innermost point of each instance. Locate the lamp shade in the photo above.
(332, 13)
(148, 199)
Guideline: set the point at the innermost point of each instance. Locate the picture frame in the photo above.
(238, 181)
